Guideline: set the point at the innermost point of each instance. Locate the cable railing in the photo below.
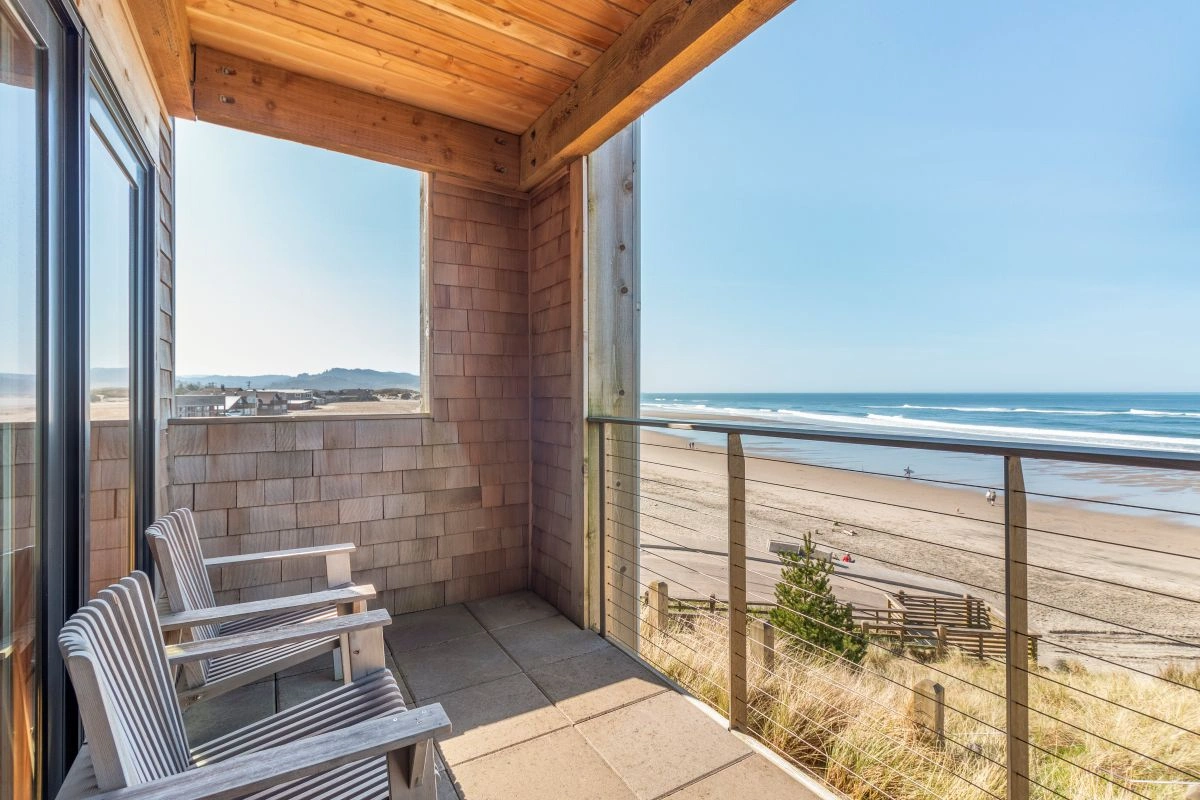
(897, 636)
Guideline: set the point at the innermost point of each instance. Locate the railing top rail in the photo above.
(1124, 457)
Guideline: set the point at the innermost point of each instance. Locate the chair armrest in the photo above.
(253, 772)
(272, 637)
(257, 608)
(280, 555)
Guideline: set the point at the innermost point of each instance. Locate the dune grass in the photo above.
(851, 725)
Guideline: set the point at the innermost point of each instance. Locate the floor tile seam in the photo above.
(437, 643)
(673, 789)
(437, 698)
(705, 776)
(554, 613)
(544, 664)
(506, 652)
(622, 706)
(527, 740)
(401, 674)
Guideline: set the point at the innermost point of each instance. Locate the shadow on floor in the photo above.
(540, 709)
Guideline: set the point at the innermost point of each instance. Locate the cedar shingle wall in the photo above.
(439, 507)
(165, 319)
(555, 541)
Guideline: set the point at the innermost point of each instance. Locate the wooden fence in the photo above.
(931, 623)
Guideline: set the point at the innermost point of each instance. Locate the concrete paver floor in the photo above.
(540, 709)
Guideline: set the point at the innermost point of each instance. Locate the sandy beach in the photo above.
(1087, 576)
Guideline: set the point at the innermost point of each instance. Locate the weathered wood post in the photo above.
(929, 709)
(1016, 629)
(762, 641)
(612, 283)
(659, 601)
(941, 642)
(737, 582)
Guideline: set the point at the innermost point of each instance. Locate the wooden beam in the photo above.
(611, 358)
(668, 44)
(162, 27)
(240, 93)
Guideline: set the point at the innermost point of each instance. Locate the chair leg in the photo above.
(411, 774)
(343, 668)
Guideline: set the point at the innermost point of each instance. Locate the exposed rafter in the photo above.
(240, 93)
(668, 44)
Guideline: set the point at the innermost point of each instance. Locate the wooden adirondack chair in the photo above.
(184, 570)
(356, 741)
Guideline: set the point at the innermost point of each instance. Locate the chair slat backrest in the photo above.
(175, 544)
(114, 652)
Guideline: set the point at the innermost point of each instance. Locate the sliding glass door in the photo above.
(21, 92)
(76, 365)
(111, 236)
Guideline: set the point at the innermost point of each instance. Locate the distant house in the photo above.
(200, 405)
(298, 399)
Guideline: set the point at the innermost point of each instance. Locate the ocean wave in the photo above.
(1043, 435)
(892, 423)
(1137, 412)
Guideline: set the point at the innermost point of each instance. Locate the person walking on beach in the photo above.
(908, 472)
(990, 497)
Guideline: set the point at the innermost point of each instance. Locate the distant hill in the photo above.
(17, 384)
(336, 378)
(20, 384)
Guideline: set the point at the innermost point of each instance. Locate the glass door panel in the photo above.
(20, 85)
(111, 251)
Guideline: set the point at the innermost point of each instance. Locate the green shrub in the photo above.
(808, 610)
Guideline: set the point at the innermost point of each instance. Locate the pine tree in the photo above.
(807, 609)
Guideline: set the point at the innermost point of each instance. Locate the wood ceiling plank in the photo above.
(671, 42)
(635, 7)
(163, 29)
(603, 12)
(504, 63)
(305, 60)
(516, 27)
(346, 33)
(425, 15)
(305, 50)
(573, 22)
(240, 93)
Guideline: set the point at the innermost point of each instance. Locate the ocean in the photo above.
(1168, 422)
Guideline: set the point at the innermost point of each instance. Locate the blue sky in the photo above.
(930, 196)
(292, 259)
(936, 196)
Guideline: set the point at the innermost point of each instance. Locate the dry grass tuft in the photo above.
(852, 728)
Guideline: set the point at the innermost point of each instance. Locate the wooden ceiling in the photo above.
(499, 63)
(536, 81)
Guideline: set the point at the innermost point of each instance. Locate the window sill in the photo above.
(296, 418)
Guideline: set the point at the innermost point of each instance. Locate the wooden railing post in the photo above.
(737, 583)
(602, 524)
(1016, 629)
(659, 601)
(762, 640)
(622, 537)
